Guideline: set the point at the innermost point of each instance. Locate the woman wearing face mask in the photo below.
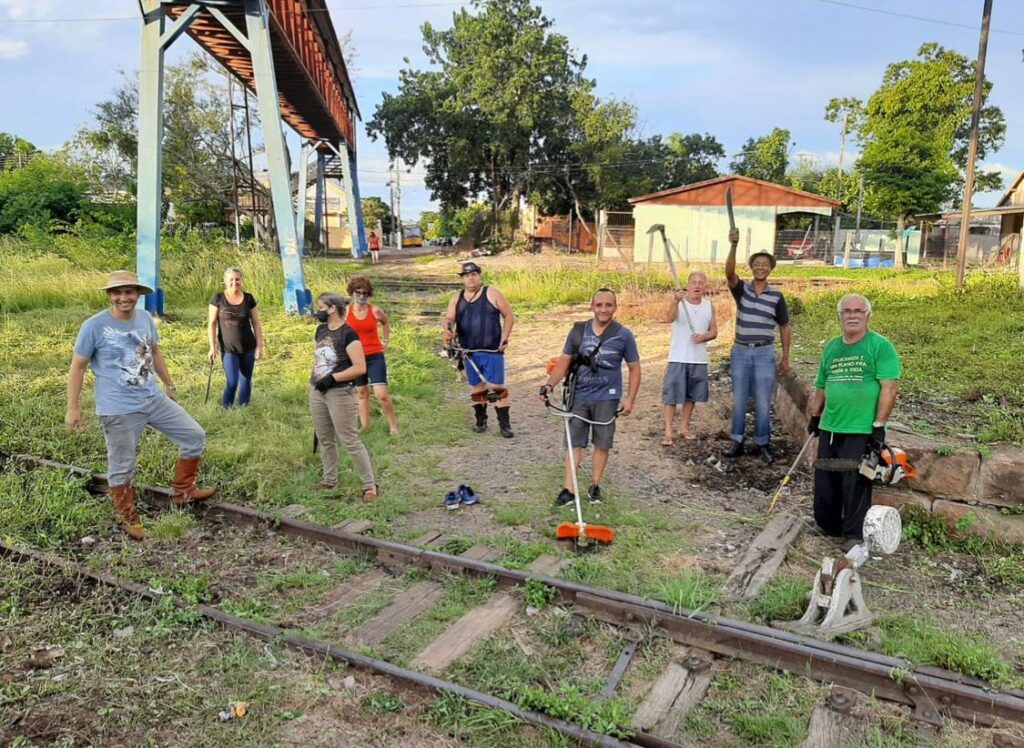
(235, 323)
(364, 317)
(338, 361)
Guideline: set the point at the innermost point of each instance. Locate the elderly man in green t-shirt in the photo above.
(855, 392)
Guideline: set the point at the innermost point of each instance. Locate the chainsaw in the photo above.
(881, 464)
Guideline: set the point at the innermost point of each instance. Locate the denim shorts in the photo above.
(684, 383)
(376, 371)
(593, 410)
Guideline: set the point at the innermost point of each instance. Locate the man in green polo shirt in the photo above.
(856, 389)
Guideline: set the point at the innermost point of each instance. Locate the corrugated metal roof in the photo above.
(741, 193)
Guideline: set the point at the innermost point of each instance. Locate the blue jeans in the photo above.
(753, 374)
(238, 375)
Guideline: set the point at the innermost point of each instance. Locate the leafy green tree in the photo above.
(766, 157)
(45, 190)
(915, 134)
(197, 160)
(503, 110)
(377, 211)
(14, 151)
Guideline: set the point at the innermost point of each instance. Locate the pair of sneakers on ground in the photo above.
(567, 497)
(736, 449)
(463, 495)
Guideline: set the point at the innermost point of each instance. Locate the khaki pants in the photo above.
(337, 412)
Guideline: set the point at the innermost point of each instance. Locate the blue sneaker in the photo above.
(468, 495)
(451, 500)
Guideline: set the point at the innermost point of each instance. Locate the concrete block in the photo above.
(900, 499)
(987, 521)
(1002, 478)
(952, 476)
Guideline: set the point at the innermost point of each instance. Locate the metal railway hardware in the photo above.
(931, 692)
(837, 599)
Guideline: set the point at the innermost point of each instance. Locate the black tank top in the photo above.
(478, 322)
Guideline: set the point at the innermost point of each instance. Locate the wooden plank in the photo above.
(338, 597)
(482, 553)
(764, 556)
(830, 729)
(427, 538)
(549, 566)
(410, 604)
(467, 632)
(355, 526)
(478, 624)
(678, 690)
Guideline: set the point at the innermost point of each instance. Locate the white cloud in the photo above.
(19, 10)
(1008, 173)
(11, 49)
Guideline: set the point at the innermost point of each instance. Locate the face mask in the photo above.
(322, 316)
(360, 298)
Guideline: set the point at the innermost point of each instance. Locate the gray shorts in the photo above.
(594, 410)
(685, 383)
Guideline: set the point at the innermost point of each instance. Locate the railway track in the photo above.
(931, 694)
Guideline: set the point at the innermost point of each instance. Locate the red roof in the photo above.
(745, 191)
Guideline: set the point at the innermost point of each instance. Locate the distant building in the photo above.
(697, 223)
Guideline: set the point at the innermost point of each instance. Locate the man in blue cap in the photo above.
(482, 318)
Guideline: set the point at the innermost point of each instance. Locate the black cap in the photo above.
(762, 253)
(470, 267)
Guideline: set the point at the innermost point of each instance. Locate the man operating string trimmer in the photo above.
(482, 319)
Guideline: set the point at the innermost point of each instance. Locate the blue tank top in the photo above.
(478, 322)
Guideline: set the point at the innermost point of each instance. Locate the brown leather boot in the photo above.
(124, 503)
(184, 484)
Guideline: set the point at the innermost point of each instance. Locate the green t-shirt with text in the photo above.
(851, 377)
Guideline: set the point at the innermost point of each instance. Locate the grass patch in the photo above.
(782, 599)
(172, 525)
(925, 644)
(46, 507)
(758, 707)
(691, 591)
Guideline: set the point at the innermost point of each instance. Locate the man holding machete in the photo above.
(759, 308)
(686, 377)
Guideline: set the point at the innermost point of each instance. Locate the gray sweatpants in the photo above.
(123, 432)
(337, 412)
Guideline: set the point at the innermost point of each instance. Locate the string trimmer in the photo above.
(579, 531)
(494, 392)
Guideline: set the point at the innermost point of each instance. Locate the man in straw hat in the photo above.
(759, 308)
(121, 345)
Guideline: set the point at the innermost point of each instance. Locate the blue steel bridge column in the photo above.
(318, 220)
(360, 223)
(150, 158)
(297, 299)
(351, 194)
(300, 196)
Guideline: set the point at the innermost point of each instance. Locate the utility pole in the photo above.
(856, 231)
(972, 151)
(391, 201)
(398, 203)
(234, 162)
(839, 181)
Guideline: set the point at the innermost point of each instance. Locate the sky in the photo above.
(732, 68)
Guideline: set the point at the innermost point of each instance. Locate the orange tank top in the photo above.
(366, 329)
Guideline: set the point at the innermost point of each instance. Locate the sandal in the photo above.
(690, 437)
(326, 485)
(371, 492)
(666, 442)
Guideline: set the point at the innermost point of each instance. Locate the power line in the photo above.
(911, 17)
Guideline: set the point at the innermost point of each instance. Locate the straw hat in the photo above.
(121, 278)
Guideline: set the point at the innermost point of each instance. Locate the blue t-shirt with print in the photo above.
(121, 356)
(603, 381)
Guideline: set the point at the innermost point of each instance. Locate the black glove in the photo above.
(814, 425)
(325, 384)
(878, 435)
(545, 390)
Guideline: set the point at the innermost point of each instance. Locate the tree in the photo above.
(197, 160)
(44, 190)
(430, 224)
(764, 158)
(377, 211)
(915, 133)
(506, 109)
(14, 151)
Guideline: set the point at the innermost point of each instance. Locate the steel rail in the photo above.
(932, 692)
(323, 649)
